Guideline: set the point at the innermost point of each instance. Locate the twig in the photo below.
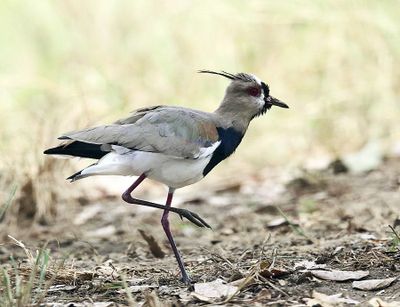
(248, 280)
(294, 227)
(394, 232)
(274, 287)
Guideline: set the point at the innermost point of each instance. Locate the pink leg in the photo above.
(127, 194)
(165, 224)
(191, 216)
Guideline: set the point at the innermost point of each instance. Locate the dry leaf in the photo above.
(264, 294)
(154, 247)
(213, 289)
(103, 232)
(194, 200)
(88, 213)
(152, 300)
(366, 159)
(273, 273)
(136, 289)
(308, 265)
(337, 250)
(245, 281)
(377, 302)
(230, 187)
(61, 288)
(373, 284)
(337, 275)
(320, 299)
(94, 304)
(227, 231)
(277, 223)
(107, 269)
(367, 236)
(201, 298)
(282, 282)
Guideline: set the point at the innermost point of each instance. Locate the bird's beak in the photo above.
(276, 102)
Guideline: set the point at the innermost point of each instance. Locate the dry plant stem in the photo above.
(247, 281)
(253, 275)
(295, 227)
(7, 204)
(394, 232)
(50, 282)
(265, 280)
(31, 259)
(129, 297)
(191, 216)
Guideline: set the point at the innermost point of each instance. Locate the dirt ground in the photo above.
(270, 238)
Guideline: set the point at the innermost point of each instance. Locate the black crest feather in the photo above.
(240, 76)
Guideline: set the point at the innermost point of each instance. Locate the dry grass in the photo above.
(69, 64)
(22, 286)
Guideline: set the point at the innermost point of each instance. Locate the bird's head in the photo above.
(246, 94)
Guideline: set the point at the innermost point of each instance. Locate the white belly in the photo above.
(172, 171)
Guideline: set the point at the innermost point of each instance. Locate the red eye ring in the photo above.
(254, 91)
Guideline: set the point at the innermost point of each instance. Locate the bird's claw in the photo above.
(193, 217)
(187, 280)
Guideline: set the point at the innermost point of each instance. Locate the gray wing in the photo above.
(172, 131)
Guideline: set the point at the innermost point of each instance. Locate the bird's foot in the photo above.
(186, 280)
(192, 217)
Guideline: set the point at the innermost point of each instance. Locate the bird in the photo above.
(173, 145)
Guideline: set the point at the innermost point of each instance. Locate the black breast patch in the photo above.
(230, 140)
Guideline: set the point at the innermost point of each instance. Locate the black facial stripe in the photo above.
(265, 89)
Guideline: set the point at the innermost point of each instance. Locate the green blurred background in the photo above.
(65, 65)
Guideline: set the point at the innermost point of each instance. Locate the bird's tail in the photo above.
(79, 175)
(111, 164)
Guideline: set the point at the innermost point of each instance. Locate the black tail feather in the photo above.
(78, 175)
(74, 176)
(78, 149)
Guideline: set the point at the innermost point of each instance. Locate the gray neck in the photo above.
(230, 117)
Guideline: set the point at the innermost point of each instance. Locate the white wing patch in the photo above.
(208, 151)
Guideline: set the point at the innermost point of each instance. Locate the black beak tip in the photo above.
(276, 102)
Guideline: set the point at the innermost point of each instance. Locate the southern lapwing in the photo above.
(173, 145)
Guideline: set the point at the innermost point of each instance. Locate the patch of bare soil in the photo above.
(274, 242)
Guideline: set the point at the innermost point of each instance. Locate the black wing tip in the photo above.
(64, 137)
(79, 149)
(52, 151)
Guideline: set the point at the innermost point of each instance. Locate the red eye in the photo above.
(254, 91)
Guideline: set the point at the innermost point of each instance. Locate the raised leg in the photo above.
(191, 216)
(165, 224)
